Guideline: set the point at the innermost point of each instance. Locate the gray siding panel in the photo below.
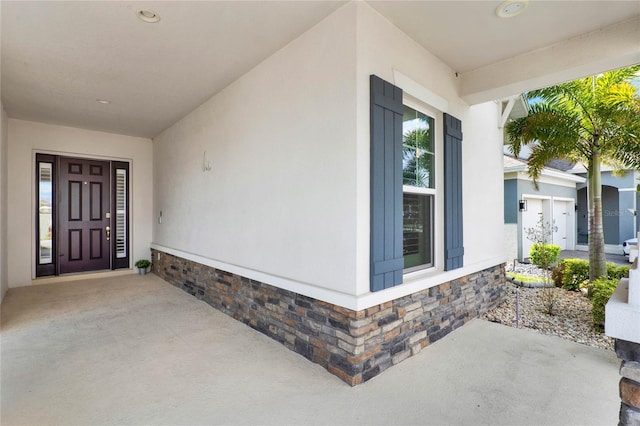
(511, 201)
(618, 222)
(583, 216)
(627, 204)
(611, 215)
(626, 181)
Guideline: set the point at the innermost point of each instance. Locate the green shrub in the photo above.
(544, 255)
(614, 271)
(574, 273)
(601, 291)
(571, 273)
(143, 263)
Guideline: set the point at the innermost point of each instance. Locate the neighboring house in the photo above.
(620, 202)
(342, 196)
(554, 199)
(561, 197)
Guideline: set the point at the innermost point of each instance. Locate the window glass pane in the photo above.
(417, 230)
(418, 165)
(45, 172)
(121, 213)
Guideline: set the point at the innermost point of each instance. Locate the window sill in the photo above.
(415, 275)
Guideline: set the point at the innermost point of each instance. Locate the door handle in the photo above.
(108, 230)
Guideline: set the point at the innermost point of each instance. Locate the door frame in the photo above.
(524, 242)
(121, 260)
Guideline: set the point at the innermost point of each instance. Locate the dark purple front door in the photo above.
(84, 215)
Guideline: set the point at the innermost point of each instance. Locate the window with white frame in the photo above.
(419, 188)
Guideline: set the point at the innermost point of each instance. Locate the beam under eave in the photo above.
(611, 47)
(507, 111)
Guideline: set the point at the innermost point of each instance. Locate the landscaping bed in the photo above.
(572, 319)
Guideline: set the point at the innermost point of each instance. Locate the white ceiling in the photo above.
(59, 57)
(478, 37)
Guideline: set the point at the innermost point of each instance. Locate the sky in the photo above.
(635, 82)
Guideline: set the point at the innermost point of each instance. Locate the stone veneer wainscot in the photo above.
(623, 323)
(629, 353)
(353, 345)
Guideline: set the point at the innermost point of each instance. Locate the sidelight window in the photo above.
(45, 214)
(121, 213)
(121, 205)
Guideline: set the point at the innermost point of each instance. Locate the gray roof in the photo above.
(560, 164)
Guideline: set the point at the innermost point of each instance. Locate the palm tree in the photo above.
(417, 157)
(593, 120)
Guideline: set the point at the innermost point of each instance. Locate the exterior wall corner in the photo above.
(352, 345)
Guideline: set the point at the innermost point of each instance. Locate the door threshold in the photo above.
(77, 276)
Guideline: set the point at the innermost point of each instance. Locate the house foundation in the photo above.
(353, 345)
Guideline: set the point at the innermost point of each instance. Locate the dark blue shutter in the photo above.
(453, 242)
(387, 260)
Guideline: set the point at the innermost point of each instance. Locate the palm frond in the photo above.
(575, 119)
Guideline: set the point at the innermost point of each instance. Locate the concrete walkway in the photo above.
(134, 350)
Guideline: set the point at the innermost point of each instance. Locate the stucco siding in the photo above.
(626, 217)
(527, 187)
(280, 195)
(625, 181)
(628, 180)
(4, 144)
(511, 240)
(387, 52)
(286, 198)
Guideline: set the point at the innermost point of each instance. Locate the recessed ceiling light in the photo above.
(511, 8)
(103, 101)
(148, 16)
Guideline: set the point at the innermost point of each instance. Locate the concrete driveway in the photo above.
(618, 259)
(135, 350)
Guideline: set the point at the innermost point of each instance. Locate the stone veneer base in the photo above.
(629, 353)
(353, 345)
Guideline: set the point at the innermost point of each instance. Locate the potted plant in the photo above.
(143, 266)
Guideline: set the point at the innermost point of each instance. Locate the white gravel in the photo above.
(525, 269)
(572, 319)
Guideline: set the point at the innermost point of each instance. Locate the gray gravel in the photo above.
(572, 319)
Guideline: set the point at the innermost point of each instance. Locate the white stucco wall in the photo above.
(483, 185)
(511, 240)
(25, 139)
(4, 144)
(386, 51)
(287, 198)
(280, 197)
